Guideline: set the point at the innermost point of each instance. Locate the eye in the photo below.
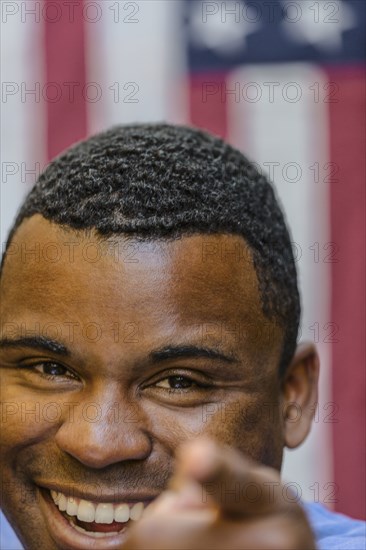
(51, 370)
(176, 383)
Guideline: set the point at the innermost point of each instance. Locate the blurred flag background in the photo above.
(282, 81)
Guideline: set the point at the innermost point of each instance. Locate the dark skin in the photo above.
(171, 347)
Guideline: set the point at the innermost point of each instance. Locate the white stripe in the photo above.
(23, 115)
(276, 128)
(135, 54)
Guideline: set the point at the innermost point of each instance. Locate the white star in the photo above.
(222, 26)
(320, 24)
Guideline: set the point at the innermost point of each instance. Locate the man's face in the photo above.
(126, 349)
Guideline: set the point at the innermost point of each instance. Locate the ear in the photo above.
(300, 394)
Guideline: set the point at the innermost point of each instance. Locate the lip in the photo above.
(71, 491)
(68, 538)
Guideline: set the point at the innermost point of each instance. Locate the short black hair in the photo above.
(165, 181)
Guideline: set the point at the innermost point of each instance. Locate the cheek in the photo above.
(26, 417)
(248, 423)
(171, 426)
(256, 430)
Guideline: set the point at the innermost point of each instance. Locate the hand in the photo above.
(219, 499)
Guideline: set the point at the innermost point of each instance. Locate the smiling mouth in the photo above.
(103, 519)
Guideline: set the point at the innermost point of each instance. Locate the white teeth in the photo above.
(86, 511)
(104, 513)
(72, 507)
(122, 513)
(136, 511)
(62, 502)
(55, 496)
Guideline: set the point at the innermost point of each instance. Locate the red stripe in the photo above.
(65, 63)
(347, 134)
(208, 103)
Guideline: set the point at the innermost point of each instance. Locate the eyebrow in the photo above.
(177, 352)
(162, 354)
(35, 342)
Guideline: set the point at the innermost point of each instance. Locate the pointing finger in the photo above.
(239, 486)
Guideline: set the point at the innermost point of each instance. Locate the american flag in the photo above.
(281, 80)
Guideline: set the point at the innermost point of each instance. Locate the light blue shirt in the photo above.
(335, 531)
(332, 531)
(8, 540)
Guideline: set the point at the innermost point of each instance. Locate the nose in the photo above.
(99, 434)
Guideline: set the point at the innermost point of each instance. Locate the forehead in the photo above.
(204, 284)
